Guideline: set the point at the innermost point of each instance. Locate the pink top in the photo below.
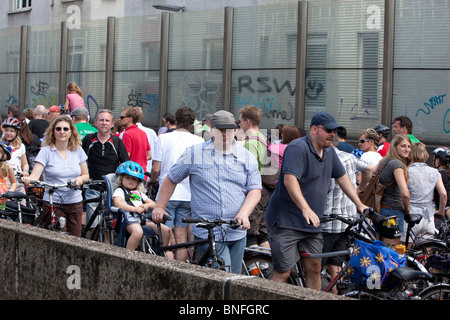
(75, 101)
(278, 148)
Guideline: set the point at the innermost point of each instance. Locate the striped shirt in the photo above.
(337, 201)
(219, 184)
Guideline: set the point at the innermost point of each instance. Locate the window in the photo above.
(21, 5)
(368, 43)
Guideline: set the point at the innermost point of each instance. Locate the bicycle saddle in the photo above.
(406, 274)
(413, 218)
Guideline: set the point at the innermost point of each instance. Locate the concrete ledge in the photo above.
(39, 264)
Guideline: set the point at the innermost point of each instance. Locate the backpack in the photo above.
(271, 171)
(374, 191)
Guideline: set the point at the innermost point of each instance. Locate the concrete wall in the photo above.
(41, 264)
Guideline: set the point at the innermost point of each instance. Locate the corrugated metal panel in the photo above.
(422, 34)
(43, 48)
(137, 43)
(265, 37)
(344, 62)
(196, 40)
(421, 63)
(87, 47)
(9, 50)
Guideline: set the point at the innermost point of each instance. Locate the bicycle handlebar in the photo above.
(69, 184)
(211, 223)
(350, 222)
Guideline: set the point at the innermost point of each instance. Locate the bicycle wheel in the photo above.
(437, 292)
(258, 265)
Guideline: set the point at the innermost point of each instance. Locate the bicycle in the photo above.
(211, 256)
(55, 224)
(258, 261)
(15, 211)
(357, 229)
(103, 231)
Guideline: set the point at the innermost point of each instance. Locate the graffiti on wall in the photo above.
(273, 96)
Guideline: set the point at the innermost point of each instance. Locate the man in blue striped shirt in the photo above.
(225, 183)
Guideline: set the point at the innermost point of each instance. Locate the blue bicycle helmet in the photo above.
(132, 169)
(6, 150)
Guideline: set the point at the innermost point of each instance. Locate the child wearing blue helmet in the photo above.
(129, 196)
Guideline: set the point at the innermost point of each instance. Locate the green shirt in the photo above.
(413, 139)
(257, 148)
(85, 128)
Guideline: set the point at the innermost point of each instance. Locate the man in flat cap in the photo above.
(299, 199)
(225, 183)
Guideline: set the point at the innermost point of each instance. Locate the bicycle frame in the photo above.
(210, 252)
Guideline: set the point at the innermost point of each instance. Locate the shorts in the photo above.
(387, 212)
(178, 210)
(287, 243)
(333, 242)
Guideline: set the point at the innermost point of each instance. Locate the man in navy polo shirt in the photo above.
(300, 197)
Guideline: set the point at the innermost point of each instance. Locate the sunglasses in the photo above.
(362, 141)
(327, 130)
(122, 117)
(63, 128)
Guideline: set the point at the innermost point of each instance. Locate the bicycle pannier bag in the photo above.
(371, 264)
(373, 193)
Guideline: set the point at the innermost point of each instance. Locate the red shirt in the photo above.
(136, 143)
(384, 148)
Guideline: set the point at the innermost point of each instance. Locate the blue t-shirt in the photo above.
(313, 173)
(58, 171)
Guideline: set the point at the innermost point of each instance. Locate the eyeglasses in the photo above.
(63, 128)
(362, 141)
(327, 130)
(122, 117)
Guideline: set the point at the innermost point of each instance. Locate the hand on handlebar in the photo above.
(158, 214)
(242, 219)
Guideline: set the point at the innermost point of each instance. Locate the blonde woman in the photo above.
(368, 143)
(423, 180)
(396, 199)
(62, 158)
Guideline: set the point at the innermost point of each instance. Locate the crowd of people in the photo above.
(215, 168)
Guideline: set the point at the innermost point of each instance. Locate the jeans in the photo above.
(231, 252)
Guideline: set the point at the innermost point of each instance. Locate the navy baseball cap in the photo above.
(324, 119)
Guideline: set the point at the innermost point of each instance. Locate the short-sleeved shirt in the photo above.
(85, 128)
(219, 184)
(169, 148)
(313, 173)
(103, 158)
(392, 197)
(255, 145)
(137, 145)
(337, 201)
(58, 171)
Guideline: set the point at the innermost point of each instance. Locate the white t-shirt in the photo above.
(371, 157)
(16, 158)
(137, 198)
(170, 146)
